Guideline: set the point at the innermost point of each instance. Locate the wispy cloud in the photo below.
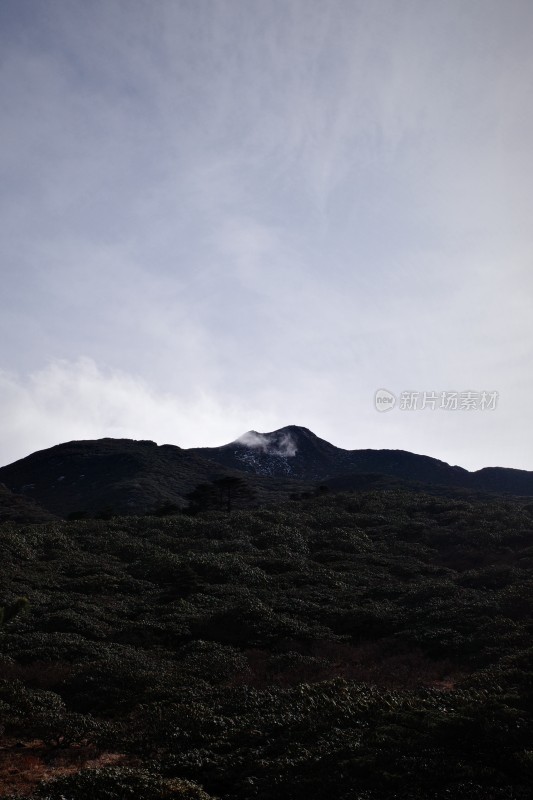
(281, 444)
(78, 400)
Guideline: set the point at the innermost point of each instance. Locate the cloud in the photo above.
(272, 208)
(279, 445)
(78, 400)
(81, 400)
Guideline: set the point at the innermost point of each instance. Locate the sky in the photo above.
(231, 215)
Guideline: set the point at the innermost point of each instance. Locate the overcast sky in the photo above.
(222, 215)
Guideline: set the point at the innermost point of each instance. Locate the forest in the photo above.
(367, 645)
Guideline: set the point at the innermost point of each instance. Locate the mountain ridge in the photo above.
(326, 461)
(126, 476)
(138, 476)
(300, 439)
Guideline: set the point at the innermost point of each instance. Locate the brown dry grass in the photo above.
(24, 765)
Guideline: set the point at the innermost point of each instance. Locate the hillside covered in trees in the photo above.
(369, 645)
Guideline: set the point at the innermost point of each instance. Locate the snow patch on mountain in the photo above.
(263, 463)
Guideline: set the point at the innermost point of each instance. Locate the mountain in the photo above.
(297, 452)
(17, 508)
(501, 479)
(122, 475)
(291, 451)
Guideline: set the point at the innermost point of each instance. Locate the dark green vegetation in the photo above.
(360, 646)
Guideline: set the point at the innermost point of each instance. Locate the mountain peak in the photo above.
(292, 451)
(282, 442)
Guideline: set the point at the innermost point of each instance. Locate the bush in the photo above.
(111, 783)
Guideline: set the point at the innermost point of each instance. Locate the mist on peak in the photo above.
(278, 443)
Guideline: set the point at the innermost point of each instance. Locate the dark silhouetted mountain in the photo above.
(292, 451)
(296, 452)
(504, 479)
(122, 476)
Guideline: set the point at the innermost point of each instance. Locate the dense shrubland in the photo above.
(357, 646)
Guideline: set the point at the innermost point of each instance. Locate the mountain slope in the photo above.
(16, 508)
(138, 477)
(292, 451)
(297, 452)
(127, 476)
